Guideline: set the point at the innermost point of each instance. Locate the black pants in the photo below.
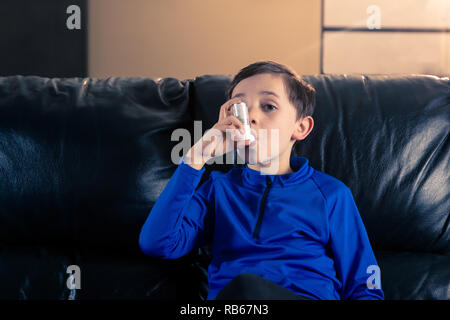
(247, 286)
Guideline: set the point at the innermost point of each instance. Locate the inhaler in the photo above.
(240, 111)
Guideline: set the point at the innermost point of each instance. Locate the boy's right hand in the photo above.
(221, 138)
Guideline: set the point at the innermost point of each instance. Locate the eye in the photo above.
(270, 105)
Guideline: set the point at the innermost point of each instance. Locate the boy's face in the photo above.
(272, 118)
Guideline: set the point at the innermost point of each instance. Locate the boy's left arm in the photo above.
(355, 261)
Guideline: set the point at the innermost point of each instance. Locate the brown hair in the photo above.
(300, 93)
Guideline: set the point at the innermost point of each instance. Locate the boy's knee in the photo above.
(245, 279)
(240, 287)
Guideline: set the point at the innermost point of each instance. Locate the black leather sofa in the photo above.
(83, 160)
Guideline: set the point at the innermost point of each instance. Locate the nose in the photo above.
(252, 116)
(253, 120)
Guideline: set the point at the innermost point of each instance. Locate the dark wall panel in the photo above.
(35, 40)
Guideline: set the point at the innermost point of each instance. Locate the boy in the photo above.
(276, 218)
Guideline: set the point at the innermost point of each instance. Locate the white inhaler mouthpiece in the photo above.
(240, 111)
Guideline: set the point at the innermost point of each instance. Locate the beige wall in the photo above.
(189, 38)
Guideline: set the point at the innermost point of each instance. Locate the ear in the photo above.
(303, 127)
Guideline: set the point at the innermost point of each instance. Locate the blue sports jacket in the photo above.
(301, 230)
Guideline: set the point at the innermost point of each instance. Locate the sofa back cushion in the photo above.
(82, 161)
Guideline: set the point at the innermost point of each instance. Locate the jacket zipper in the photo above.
(261, 208)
